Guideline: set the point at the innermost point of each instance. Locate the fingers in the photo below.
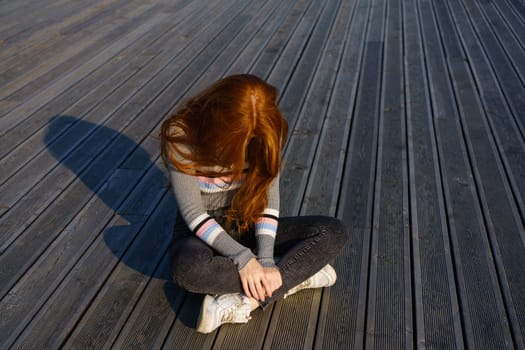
(272, 281)
(251, 277)
(270, 286)
(258, 282)
(246, 288)
(253, 288)
(257, 289)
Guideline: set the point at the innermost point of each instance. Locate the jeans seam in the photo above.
(293, 260)
(303, 250)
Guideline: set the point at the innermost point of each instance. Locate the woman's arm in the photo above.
(265, 231)
(187, 193)
(266, 227)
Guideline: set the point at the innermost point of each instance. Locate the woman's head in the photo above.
(232, 124)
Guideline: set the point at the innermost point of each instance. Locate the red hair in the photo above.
(232, 123)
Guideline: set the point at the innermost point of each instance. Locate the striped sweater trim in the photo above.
(206, 228)
(267, 223)
(218, 184)
(271, 212)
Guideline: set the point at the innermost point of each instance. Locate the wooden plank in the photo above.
(43, 86)
(264, 40)
(337, 317)
(324, 180)
(512, 86)
(312, 90)
(83, 96)
(96, 318)
(151, 319)
(182, 335)
(26, 141)
(474, 264)
(32, 292)
(389, 319)
(10, 7)
(10, 190)
(54, 323)
(294, 320)
(180, 329)
(41, 281)
(48, 37)
(28, 59)
(109, 310)
(94, 174)
(513, 20)
(305, 119)
(34, 81)
(282, 68)
(282, 73)
(20, 23)
(303, 308)
(513, 91)
(511, 44)
(505, 129)
(519, 8)
(116, 101)
(223, 65)
(64, 316)
(437, 320)
(356, 205)
(265, 62)
(506, 233)
(133, 333)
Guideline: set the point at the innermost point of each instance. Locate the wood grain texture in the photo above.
(405, 122)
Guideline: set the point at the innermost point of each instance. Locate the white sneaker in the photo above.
(219, 309)
(326, 277)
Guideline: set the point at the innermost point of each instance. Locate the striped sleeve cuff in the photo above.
(265, 231)
(267, 223)
(206, 228)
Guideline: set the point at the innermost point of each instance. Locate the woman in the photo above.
(223, 152)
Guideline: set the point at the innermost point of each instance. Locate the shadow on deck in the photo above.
(405, 122)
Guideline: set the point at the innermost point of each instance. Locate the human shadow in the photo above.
(122, 175)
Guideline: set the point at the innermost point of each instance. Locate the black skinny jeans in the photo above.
(304, 245)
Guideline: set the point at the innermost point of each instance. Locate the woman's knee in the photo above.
(335, 231)
(180, 267)
(186, 260)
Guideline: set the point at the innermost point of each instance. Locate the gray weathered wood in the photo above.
(437, 323)
(405, 122)
(474, 261)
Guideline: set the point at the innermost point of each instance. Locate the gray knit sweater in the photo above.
(198, 195)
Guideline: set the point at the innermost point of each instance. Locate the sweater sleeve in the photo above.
(266, 227)
(187, 194)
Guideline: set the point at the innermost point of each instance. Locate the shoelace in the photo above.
(228, 315)
(305, 284)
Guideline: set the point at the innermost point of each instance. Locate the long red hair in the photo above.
(232, 123)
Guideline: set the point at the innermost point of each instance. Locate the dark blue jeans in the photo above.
(304, 245)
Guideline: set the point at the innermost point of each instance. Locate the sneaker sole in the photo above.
(329, 271)
(330, 274)
(204, 327)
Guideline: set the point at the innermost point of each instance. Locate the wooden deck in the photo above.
(407, 122)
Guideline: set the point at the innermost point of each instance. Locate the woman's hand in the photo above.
(253, 278)
(273, 280)
(259, 282)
